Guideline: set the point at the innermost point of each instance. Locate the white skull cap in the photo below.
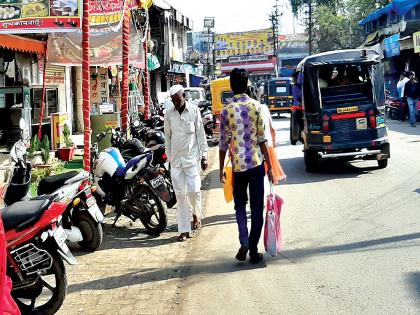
(175, 89)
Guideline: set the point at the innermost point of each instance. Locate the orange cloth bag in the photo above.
(277, 170)
(228, 185)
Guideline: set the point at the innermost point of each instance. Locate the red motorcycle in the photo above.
(36, 248)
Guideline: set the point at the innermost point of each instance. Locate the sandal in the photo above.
(182, 237)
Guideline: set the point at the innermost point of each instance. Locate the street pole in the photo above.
(125, 67)
(214, 55)
(86, 84)
(310, 27)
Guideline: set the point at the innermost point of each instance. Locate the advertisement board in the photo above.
(392, 45)
(244, 43)
(416, 41)
(39, 16)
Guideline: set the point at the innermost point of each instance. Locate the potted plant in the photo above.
(67, 153)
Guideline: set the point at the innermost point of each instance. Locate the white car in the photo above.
(195, 95)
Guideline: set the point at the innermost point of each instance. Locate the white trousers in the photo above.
(187, 186)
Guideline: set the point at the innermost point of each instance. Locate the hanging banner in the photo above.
(105, 48)
(392, 45)
(39, 16)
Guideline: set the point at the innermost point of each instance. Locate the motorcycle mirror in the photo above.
(22, 124)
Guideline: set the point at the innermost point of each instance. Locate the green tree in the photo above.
(336, 22)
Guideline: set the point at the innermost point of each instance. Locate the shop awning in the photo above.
(22, 44)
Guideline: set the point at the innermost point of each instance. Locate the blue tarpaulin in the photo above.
(403, 6)
(376, 14)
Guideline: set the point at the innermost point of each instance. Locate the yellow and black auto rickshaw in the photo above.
(278, 94)
(342, 110)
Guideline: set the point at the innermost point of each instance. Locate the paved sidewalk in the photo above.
(132, 272)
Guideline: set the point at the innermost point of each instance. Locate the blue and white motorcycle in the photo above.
(136, 189)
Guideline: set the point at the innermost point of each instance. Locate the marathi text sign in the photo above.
(392, 45)
(416, 40)
(39, 16)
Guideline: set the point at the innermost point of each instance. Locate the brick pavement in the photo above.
(131, 273)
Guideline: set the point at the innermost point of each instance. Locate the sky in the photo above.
(236, 15)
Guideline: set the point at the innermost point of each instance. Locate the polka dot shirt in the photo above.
(242, 125)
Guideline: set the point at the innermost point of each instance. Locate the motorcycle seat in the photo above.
(24, 214)
(50, 184)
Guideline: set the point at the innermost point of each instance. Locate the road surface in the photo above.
(351, 240)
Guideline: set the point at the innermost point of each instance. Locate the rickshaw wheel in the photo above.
(311, 160)
(383, 163)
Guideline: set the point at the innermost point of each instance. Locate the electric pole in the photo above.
(310, 27)
(274, 19)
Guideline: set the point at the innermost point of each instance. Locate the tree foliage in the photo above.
(335, 22)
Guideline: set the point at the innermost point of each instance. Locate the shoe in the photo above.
(256, 258)
(413, 125)
(241, 255)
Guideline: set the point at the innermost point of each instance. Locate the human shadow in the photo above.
(122, 237)
(296, 254)
(219, 219)
(211, 181)
(402, 127)
(151, 275)
(413, 281)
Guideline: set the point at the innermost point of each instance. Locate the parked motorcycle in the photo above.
(82, 219)
(154, 141)
(137, 189)
(207, 118)
(36, 248)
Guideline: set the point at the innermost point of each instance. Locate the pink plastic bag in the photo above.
(272, 229)
(7, 304)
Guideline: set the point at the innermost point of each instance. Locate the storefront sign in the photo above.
(416, 40)
(392, 45)
(99, 91)
(43, 16)
(248, 58)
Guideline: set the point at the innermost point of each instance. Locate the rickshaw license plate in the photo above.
(361, 123)
(347, 109)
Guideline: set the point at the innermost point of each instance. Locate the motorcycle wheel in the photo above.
(153, 217)
(91, 231)
(27, 298)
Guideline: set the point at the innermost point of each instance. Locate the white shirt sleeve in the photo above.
(201, 134)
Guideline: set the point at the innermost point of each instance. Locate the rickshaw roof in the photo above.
(340, 57)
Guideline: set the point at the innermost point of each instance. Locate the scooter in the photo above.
(82, 219)
(36, 248)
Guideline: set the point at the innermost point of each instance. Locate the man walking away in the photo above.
(186, 146)
(400, 91)
(412, 92)
(242, 128)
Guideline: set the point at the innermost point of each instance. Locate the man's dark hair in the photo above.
(238, 80)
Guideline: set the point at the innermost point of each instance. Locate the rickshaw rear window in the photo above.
(227, 97)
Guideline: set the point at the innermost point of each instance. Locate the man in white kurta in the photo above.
(186, 148)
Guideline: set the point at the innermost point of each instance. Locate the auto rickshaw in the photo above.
(341, 114)
(278, 94)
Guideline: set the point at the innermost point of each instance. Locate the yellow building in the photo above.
(257, 42)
